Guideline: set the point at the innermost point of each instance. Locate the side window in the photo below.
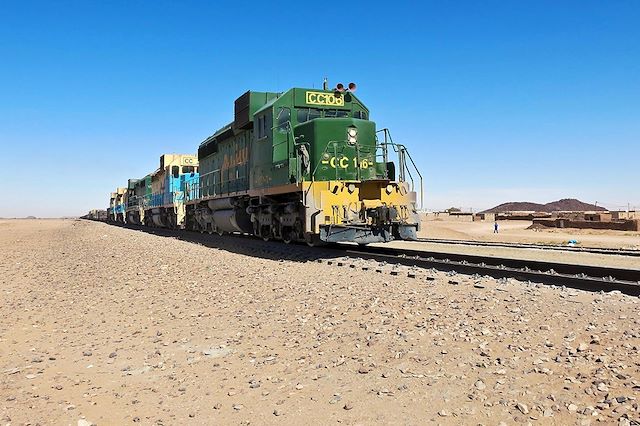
(360, 114)
(187, 169)
(267, 124)
(306, 114)
(283, 117)
(262, 127)
(175, 171)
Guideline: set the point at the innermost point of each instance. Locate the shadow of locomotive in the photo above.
(244, 244)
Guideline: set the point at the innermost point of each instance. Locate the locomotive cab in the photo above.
(357, 200)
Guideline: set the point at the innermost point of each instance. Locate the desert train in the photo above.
(303, 165)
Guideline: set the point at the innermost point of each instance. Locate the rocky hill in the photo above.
(566, 204)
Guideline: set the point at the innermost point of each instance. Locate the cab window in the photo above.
(360, 114)
(175, 171)
(332, 113)
(187, 169)
(306, 114)
(283, 117)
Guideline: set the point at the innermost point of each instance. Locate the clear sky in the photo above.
(497, 101)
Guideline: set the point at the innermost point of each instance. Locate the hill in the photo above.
(566, 204)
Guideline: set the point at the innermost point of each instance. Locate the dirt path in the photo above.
(118, 327)
(515, 231)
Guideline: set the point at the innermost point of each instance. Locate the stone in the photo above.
(348, 406)
(443, 413)
(522, 408)
(572, 407)
(480, 385)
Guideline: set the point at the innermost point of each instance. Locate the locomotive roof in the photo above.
(228, 130)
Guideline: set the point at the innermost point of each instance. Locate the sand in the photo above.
(105, 325)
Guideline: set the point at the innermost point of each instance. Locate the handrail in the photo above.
(403, 153)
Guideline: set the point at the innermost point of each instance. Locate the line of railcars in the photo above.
(302, 165)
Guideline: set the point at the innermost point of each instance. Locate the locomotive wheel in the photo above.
(265, 233)
(313, 240)
(287, 235)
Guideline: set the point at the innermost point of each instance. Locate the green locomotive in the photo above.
(303, 165)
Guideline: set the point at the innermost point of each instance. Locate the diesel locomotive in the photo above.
(302, 165)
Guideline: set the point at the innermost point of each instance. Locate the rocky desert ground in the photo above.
(109, 326)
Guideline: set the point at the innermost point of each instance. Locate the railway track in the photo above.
(595, 250)
(584, 277)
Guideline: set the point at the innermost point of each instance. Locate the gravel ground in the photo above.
(106, 325)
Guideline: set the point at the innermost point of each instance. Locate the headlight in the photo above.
(352, 135)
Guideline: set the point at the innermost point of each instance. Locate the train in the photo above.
(303, 165)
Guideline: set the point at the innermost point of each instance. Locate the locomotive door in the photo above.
(282, 141)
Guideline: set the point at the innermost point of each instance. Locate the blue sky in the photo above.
(497, 101)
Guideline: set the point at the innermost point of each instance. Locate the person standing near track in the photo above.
(495, 227)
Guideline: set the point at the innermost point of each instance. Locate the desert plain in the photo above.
(105, 325)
